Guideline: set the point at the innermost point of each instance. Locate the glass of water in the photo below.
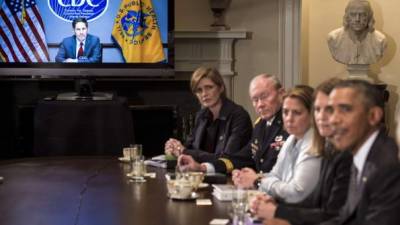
(138, 170)
(239, 206)
(135, 152)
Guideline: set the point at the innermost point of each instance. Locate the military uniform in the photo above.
(262, 150)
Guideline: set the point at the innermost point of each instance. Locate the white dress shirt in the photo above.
(362, 153)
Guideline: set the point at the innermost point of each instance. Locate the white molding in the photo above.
(235, 34)
(289, 42)
(207, 48)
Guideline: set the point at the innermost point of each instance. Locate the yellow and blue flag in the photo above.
(137, 33)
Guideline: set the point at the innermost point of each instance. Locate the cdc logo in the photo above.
(68, 10)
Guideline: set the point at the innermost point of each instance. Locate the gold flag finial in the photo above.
(23, 12)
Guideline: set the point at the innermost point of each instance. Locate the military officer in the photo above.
(266, 94)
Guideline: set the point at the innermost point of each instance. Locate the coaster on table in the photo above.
(203, 201)
(203, 185)
(219, 222)
(123, 159)
(151, 175)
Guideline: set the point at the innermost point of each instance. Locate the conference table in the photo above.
(94, 191)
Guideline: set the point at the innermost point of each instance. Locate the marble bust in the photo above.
(357, 42)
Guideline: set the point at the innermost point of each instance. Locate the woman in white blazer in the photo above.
(296, 171)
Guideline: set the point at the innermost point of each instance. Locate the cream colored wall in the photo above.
(256, 55)
(192, 15)
(319, 17)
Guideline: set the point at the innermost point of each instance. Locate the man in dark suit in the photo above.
(357, 112)
(266, 93)
(380, 203)
(81, 47)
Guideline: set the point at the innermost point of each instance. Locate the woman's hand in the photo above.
(173, 147)
(263, 206)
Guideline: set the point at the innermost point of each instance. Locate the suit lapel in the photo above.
(261, 139)
(369, 166)
(87, 43)
(269, 134)
(73, 46)
(200, 132)
(368, 169)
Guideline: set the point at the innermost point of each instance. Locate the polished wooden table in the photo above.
(93, 191)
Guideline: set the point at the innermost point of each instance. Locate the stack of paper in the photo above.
(157, 161)
(223, 192)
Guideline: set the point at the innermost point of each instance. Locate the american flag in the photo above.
(22, 36)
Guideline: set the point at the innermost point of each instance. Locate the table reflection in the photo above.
(95, 190)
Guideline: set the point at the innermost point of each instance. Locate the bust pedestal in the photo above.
(359, 71)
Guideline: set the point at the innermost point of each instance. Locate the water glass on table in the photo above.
(239, 206)
(138, 167)
(135, 151)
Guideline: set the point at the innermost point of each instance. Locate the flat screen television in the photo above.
(23, 46)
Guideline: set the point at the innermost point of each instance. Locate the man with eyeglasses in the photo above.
(266, 94)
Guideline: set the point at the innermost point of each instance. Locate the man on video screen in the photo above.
(81, 47)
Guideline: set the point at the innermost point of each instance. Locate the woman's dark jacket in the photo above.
(328, 197)
(234, 132)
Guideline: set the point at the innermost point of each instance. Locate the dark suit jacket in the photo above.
(234, 131)
(383, 153)
(380, 203)
(259, 152)
(91, 53)
(328, 196)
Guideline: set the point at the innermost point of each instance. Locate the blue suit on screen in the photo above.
(91, 52)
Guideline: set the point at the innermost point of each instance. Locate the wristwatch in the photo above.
(257, 182)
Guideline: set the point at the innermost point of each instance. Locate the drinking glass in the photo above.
(138, 169)
(178, 173)
(239, 206)
(126, 153)
(135, 151)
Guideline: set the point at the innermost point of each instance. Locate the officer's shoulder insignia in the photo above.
(257, 121)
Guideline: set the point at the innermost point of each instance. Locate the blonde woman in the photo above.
(221, 128)
(296, 171)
